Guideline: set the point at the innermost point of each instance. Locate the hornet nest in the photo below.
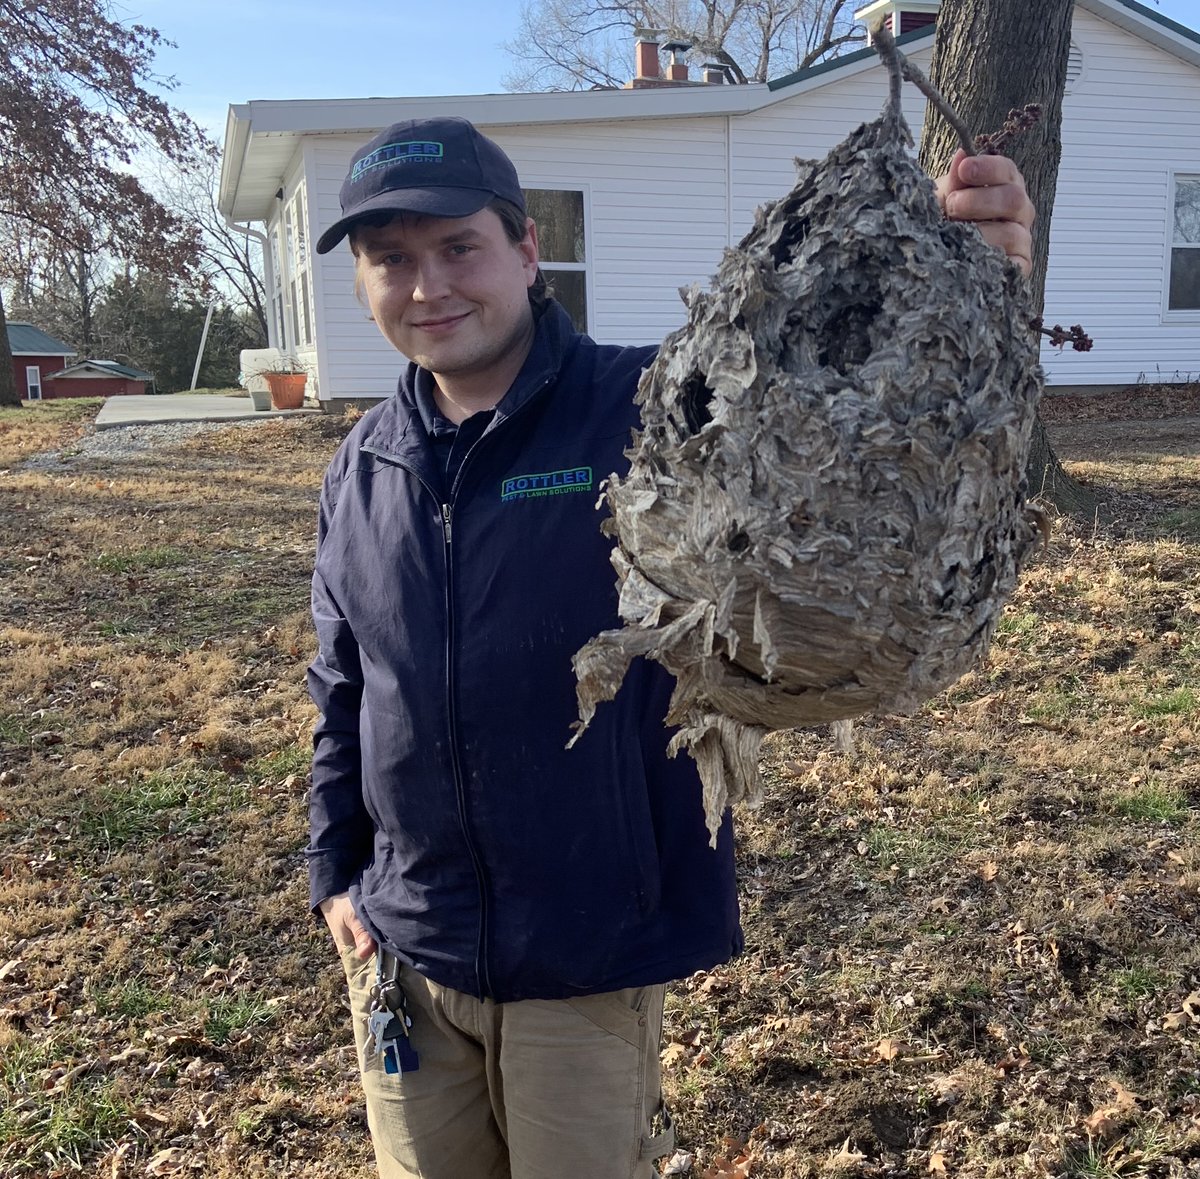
(825, 509)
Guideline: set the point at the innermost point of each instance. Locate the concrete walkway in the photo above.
(183, 407)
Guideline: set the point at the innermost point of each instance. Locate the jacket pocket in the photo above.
(639, 830)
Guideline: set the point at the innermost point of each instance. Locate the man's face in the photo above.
(450, 293)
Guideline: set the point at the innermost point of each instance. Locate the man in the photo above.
(507, 911)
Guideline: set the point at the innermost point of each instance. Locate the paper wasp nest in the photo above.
(825, 510)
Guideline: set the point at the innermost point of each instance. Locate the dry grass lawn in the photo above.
(972, 942)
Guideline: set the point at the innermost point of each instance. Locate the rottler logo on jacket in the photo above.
(547, 483)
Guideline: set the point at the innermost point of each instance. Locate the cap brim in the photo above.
(427, 202)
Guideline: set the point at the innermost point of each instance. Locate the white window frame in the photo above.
(1176, 314)
(588, 264)
(33, 380)
(277, 323)
(302, 325)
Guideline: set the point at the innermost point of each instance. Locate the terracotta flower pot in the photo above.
(287, 389)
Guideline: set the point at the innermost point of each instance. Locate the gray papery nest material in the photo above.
(825, 510)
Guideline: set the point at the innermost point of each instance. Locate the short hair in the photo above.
(511, 217)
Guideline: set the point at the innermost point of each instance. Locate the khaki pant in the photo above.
(536, 1089)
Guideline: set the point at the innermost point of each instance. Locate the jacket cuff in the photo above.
(328, 875)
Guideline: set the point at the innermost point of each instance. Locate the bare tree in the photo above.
(989, 57)
(230, 262)
(75, 107)
(587, 44)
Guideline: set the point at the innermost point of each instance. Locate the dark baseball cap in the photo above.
(434, 167)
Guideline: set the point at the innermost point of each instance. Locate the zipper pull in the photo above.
(446, 521)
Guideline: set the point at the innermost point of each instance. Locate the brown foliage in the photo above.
(76, 105)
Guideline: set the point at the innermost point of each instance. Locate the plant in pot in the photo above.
(286, 379)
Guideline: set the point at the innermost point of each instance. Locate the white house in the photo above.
(638, 190)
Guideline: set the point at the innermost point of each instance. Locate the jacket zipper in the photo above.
(482, 979)
(482, 974)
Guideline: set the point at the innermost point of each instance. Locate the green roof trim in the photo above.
(927, 31)
(835, 63)
(1159, 19)
(125, 370)
(108, 366)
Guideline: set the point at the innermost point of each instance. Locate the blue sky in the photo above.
(230, 51)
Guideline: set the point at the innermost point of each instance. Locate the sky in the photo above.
(231, 51)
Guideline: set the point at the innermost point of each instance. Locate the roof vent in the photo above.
(1074, 66)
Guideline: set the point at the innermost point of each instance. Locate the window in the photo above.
(277, 313)
(1184, 288)
(33, 382)
(295, 224)
(559, 217)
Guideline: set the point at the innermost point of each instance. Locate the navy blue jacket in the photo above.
(474, 844)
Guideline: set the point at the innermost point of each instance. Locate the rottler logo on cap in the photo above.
(415, 152)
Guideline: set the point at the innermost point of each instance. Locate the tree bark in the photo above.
(990, 56)
(9, 397)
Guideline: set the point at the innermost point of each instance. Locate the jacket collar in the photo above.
(400, 431)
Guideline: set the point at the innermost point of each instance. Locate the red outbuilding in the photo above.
(36, 355)
(99, 378)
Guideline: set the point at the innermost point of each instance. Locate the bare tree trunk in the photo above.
(8, 385)
(990, 56)
(85, 297)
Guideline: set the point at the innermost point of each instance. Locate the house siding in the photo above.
(657, 218)
(83, 386)
(44, 364)
(1129, 122)
(663, 197)
(807, 127)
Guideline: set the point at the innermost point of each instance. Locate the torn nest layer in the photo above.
(825, 509)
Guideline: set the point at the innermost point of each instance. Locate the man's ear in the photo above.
(528, 246)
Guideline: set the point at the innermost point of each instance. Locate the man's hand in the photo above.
(990, 191)
(345, 926)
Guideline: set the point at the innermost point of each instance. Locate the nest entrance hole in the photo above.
(695, 399)
(844, 340)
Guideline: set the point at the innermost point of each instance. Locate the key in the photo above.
(379, 1024)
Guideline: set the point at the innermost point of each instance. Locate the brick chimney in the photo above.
(713, 73)
(646, 66)
(677, 71)
(649, 68)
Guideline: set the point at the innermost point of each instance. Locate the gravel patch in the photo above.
(122, 443)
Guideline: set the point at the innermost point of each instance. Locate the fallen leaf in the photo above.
(680, 1163)
(1103, 1122)
(674, 1053)
(889, 1049)
(845, 1159)
(948, 1088)
(1126, 1099)
(735, 1163)
(167, 1162)
(989, 870)
(68, 1078)
(937, 1163)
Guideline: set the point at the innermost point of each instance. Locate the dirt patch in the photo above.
(962, 936)
(1151, 420)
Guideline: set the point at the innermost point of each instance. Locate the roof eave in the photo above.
(297, 118)
(237, 136)
(1154, 28)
